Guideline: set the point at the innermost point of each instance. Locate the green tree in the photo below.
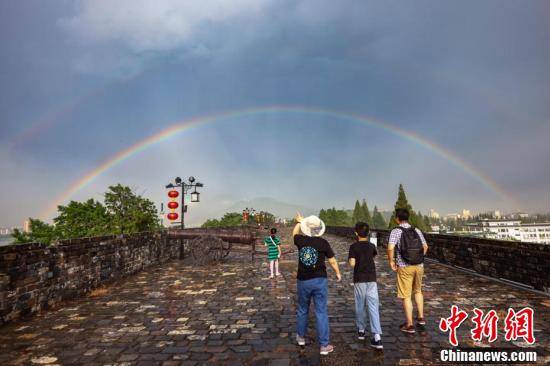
(378, 221)
(230, 219)
(129, 212)
(357, 213)
(210, 223)
(334, 217)
(39, 232)
(420, 222)
(402, 202)
(323, 215)
(366, 217)
(81, 219)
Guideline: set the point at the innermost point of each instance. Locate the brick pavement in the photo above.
(178, 314)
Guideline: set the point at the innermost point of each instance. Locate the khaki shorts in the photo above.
(409, 281)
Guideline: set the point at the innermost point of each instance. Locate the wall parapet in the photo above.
(524, 263)
(35, 277)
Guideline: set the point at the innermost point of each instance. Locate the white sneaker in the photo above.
(325, 350)
(300, 340)
(271, 276)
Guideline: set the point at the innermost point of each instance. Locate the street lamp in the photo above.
(195, 196)
(185, 187)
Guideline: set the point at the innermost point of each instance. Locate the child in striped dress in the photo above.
(273, 243)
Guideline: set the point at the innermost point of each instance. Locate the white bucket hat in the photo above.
(312, 226)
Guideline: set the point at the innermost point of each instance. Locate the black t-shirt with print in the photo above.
(364, 253)
(312, 252)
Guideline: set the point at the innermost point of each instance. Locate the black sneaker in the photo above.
(361, 335)
(376, 344)
(407, 329)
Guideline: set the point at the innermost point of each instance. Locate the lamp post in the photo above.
(185, 187)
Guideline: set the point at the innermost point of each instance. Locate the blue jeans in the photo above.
(317, 289)
(366, 294)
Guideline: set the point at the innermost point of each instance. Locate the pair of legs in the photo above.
(409, 281)
(366, 298)
(274, 266)
(317, 290)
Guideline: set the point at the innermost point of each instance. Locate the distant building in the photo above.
(434, 214)
(511, 230)
(497, 214)
(466, 214)
(5, 231)
(27, 226)
(519, 215)
(452, 216)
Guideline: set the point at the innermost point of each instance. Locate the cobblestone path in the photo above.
(233, 313)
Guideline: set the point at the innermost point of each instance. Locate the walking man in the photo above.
(312, 278)
(408, 261)
(361, 259)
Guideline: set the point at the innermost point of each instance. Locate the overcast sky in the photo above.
(83, 80)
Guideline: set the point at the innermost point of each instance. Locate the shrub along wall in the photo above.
(526, 263)
(34, 277)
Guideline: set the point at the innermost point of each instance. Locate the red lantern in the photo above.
(173, 205)
(173, 194)
(172, 216)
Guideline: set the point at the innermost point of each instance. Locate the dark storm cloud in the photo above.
(472, 76)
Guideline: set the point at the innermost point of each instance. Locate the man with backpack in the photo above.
(408, 261)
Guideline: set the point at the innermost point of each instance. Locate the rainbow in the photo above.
(188, 124)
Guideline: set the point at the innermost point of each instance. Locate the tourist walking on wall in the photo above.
(408, 261)
(361, 259)
(273, 244)
(312, 278)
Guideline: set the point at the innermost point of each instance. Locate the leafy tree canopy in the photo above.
(378, 221)
(415, 219)
(129, 212)
(82, 219)
(334, 217)
(40, 232)
(124, 212)
(232, 219)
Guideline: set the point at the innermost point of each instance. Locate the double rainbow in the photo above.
(188, 124)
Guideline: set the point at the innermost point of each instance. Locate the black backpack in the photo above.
(410, 246)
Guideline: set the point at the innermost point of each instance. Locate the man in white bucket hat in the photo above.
(312, 278)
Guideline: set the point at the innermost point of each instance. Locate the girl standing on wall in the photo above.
(273, 243)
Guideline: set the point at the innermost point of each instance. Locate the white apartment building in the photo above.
(512, 230)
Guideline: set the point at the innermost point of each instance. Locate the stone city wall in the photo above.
(34, 276)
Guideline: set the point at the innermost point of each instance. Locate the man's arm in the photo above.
(423, 240)
(391, 258)
(351, 258)
(296, 229)
(334, 264)
(395, 235)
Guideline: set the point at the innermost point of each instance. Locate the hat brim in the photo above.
(307, 230)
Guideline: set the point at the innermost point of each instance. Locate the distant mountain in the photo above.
(277, 208)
